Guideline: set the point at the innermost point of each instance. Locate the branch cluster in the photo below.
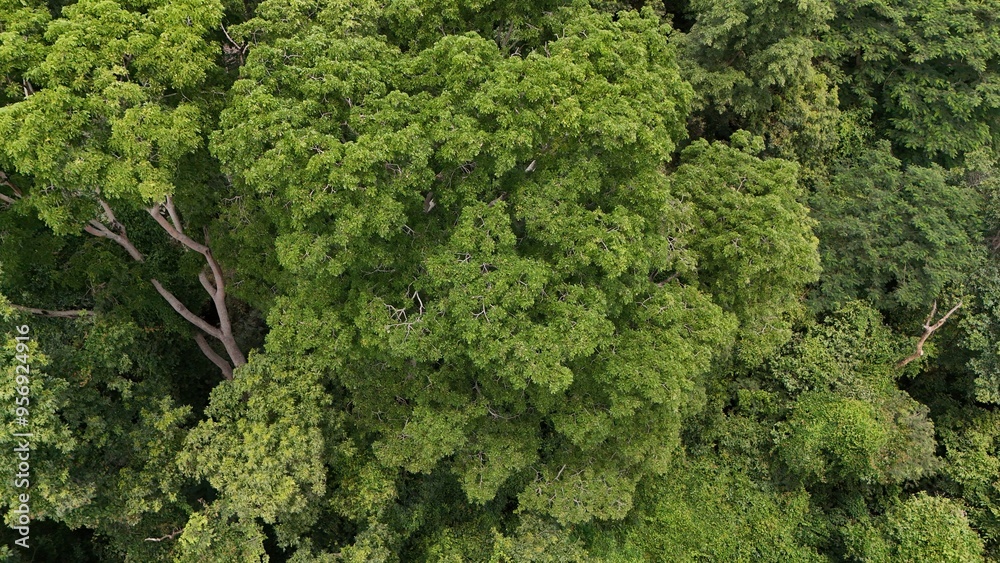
(165, 214)
(167, 217)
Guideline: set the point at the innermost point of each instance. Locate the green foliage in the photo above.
(110, 88)
(752, 238)
(513, 329)
(896, 235)
(842, 437)
(263, 444)
(512, 313)
(105, 431)
(754, 66)
(705, 510)
(925, 70)
(921, 528)
(212, 535)
(849, 422)
(970, 438)
(982, 333)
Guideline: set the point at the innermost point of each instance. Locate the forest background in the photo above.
(442, 280)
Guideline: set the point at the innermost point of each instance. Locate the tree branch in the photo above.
(206, 283)
(241, 49)
(216, 288)
(166, 537)
(184, 312)
(174, 217)
(5, 181)
(98, 229)
(72, 314)
(227, 370)
(174, 228)
(179, 236)
(928, 331)
(219, 297)
(111, 217)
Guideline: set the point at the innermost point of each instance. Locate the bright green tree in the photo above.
(480, 244)
(752, 238)
(921, 528)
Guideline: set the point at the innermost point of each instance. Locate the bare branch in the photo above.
(98, 229)
(227, 370)
(5, 181)
(226, 327)
(175, 229)
(184, 312)
(206, 283)
(220, 281)
(180, 237)
(115, 224)
(173, 214)
(216, 287)
(241, 49)
(72, 314)
(499, 198)
(928, 331)
(166, 537)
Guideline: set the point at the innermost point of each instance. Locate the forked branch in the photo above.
(928, 331)
(99, 229)
(216, 287)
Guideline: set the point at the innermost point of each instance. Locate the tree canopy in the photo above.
(437, 280)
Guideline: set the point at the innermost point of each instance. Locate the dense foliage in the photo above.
(433, 280)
